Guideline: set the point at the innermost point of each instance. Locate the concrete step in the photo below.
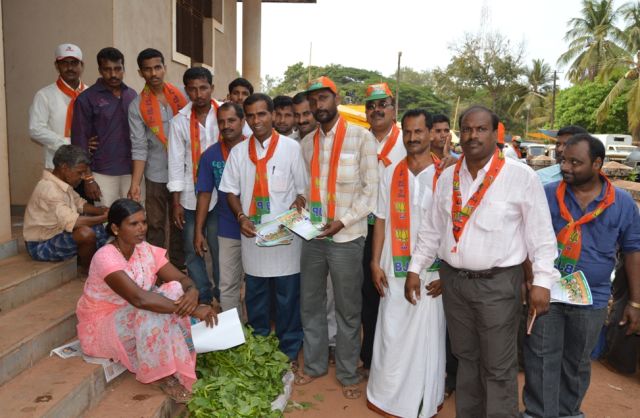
(30, 331)
(129, 398)
(23, 279)
(53, 388)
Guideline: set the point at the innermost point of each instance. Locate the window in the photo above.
(195, 23)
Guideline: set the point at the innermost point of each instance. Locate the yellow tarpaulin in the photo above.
(354, 114)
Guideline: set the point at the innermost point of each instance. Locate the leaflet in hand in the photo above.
(300, 223)
(272, 233)
(572, 289)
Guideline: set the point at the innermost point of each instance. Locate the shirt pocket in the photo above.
(279, 181)
(493, 216)
(347, 169)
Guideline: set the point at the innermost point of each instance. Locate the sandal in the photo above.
(351, 391)
(302, 379)
(294, 366)
(172, 387)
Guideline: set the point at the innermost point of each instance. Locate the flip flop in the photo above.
(351, 391)
(302, 379)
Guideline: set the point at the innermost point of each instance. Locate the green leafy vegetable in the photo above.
(241, 381)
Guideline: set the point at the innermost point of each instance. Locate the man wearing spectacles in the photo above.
(381, 115)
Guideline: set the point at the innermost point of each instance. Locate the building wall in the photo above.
(5, 217)
(32, 30)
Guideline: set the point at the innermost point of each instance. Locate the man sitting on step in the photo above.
(58, 223)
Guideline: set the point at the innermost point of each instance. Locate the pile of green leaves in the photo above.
(241, 381)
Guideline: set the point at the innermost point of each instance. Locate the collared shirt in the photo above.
(287, 178)
(98, 112)
(209, 176)
(357, 179)
(47, 120)
(145, 145)
(420, 198)
(550, 174)
(509, 152)
(53, 207)
(511, 222)
(180, 164)
(617, 227)
(397, 153)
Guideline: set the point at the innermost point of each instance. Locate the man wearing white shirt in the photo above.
(51, 112)
(264, 177)
(409, 350)
(381, 115)
(192, 131)
(500, 217)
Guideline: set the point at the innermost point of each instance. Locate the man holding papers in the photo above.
(592, 219)
(264, 176)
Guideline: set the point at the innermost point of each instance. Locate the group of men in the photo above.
(416, 242)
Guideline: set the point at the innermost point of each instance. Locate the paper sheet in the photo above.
(228, 333)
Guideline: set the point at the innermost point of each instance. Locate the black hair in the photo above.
(439, 118)
(571, 130)
(110, 54)
(147, 54)
(241, 82)
(258, 97)
(414, 113)
(70, 155)
(234, 106)
(300, 98)
(479, 108)
(120, 210)
(195, 73)
(280, 102)
(596, 147)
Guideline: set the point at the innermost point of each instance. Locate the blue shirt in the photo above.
(210, 171)
(98, 112)
(550, 174)
(617, 227)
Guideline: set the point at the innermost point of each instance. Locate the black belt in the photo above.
(477, 274)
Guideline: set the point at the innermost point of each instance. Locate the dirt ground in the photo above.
(610, 395)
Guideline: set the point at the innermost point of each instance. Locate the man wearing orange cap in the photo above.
(51, 113)
(343, 164)
(381, 115)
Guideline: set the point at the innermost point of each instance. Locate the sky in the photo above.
(369, 33)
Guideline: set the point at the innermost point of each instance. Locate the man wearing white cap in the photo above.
(51, 112)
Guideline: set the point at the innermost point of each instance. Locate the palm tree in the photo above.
(593, 39)
(532, 97)
(627, 68)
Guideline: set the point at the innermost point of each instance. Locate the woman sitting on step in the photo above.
(136, 306)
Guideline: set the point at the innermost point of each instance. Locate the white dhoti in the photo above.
(408, 366)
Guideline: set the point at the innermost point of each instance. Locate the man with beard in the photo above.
(481, 255)
(51, 113)
(149, 117)
(441, 136)
(381, 116)
(591, 218)
(284, 122)
(212, 163)
(342, 160)
(409, 351)
(303, 117)
(192, 131)
(100, 115)
(264, 177)
(552, 173)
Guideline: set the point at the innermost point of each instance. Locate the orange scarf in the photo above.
(150, 108)
(316, 202)
(388, 146)
(194, 130)
(461, 215)
(260, 199)
(438, 170)
(73, 94)
(570, 236)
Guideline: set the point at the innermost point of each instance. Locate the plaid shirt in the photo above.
(357, 180)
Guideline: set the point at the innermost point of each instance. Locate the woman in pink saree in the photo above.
(136, 306)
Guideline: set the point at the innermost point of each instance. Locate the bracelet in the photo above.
(633, 304)
(240, 215)
(89, 178)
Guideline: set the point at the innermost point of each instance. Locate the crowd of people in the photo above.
(416, 281)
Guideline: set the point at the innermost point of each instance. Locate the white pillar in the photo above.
(251, 38)
(5, 201)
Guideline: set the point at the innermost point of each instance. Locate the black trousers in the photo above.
(370, 303)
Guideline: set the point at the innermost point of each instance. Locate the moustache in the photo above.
(378, 114)
(413, 142)
(114, 79)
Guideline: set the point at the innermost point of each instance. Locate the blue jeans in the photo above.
(288, 323)
(557, 362)
(196, 266)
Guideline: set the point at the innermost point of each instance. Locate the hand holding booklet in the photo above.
(300, 223)
(279, 230)
(572, 289)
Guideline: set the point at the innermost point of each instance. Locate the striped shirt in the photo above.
(357, 180)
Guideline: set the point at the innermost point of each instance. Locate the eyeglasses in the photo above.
(381, 105)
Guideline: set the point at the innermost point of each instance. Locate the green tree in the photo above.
(532, 101)
(578, 105)
(593, 39)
